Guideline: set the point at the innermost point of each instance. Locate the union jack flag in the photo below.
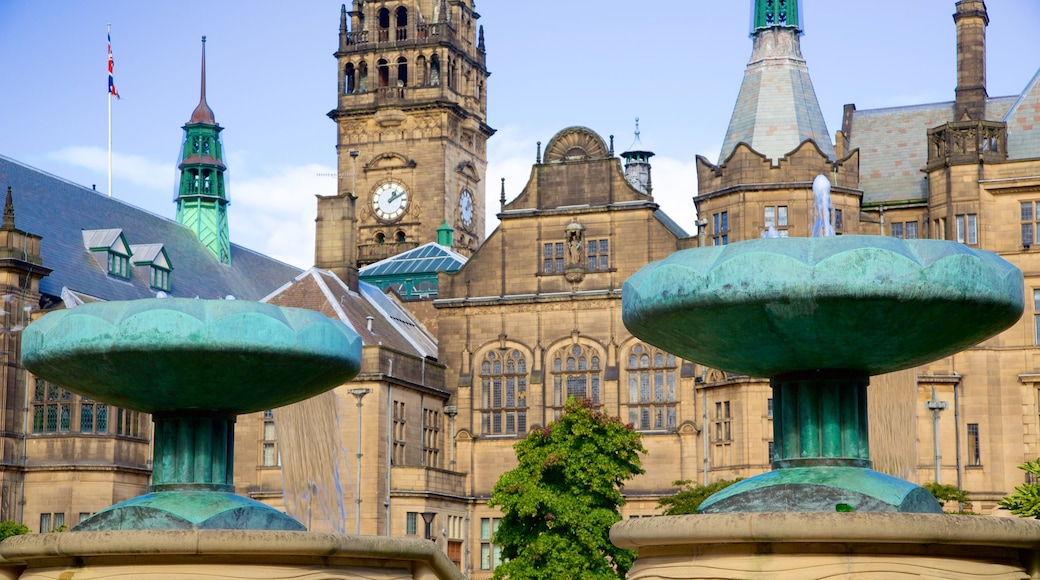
(111, 83)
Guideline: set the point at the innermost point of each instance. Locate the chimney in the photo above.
(971, 19)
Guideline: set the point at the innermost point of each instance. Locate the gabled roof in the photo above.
(392, 326)
(148, 255)
(39, 197)
(1023, 122)
(428, 258)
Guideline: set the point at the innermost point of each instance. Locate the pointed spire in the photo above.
(480, 43)
(202, 113)
(8, 223)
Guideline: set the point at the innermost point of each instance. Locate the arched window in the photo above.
(503, 393)
(435, 70)
(453, 71)
(577, 372)
(384, 25)
(402, 23)
(349, 81)
(422, 74)
(652, 388)
(399, 236)
(402, 72)
(362, 77)
(380, 238)
(384, 73)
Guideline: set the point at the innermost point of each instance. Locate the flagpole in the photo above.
(110, 119)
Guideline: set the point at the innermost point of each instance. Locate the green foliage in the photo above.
(691, 496)
(949, 493)
(10, 528)
(559, 502)
(1025, 502)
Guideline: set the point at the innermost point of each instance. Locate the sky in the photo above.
(676, 65)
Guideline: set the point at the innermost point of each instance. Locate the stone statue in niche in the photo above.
(575, 270)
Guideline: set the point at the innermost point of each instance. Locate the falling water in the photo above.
(893, 423)
(313, 462)
(823, 210)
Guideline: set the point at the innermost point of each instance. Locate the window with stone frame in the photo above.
(598, 255)
(553, 258)
(431, 439)
(503, 392)
(52, 408)
(967, 229)
(576, 372)
(723, 423)
(93, 416)
(653, 377)
(720, 228)
(269, 441)
(1030, 214)
(397, 455)
(490, 554)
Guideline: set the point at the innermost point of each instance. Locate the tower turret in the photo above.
(770, 13)
(202, 198)
(637, 164)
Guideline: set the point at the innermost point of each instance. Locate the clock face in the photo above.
(390, 201)
(466, 207)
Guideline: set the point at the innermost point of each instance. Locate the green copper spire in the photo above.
(201, 193)
(770, 13)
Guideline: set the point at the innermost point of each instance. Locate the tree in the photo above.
(688, 499)
(1025, 502)
(10, 528)
(559, 502)
(949, 493)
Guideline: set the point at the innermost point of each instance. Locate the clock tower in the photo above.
(411, 130)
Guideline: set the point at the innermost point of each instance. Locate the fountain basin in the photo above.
(194, 365)
(869, 303)
(174, 354)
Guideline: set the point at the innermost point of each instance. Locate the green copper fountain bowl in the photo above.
(176, 354)
(867, 303)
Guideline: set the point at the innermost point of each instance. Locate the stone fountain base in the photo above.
(817, 546)
(220, 555)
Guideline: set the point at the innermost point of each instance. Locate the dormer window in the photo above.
(109, 247)
(118, 265)
(154, 256)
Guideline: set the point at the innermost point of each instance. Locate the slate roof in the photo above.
(776, 108)
(1023, 121)
(392, 325)
(893, 145)
(59, 211)
(428, 258)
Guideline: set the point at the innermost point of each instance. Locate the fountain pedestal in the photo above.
(819, 316)
(195, 365)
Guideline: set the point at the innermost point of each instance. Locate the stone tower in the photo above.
(412, 131)
(775, 146)
(202, 198)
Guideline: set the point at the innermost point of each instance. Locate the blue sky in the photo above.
(675, 64)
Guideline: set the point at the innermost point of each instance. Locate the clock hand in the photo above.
(396, 195)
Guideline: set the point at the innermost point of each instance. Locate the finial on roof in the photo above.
(202, 113)
(8, 223)
(502, 199)
(776, 13)
(480, 43)
(538, 156)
